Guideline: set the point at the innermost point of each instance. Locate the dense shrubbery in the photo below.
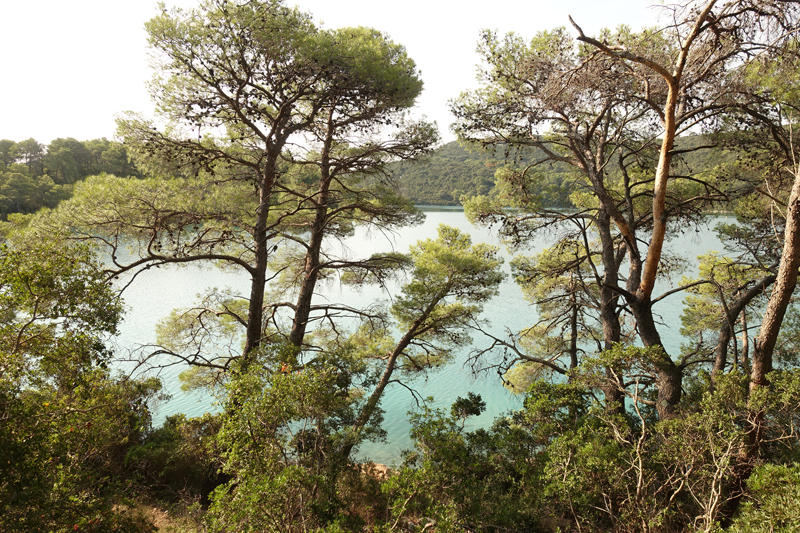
(562, 462)
(66, 422)
(179, 461)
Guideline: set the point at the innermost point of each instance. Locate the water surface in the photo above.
(155, 293)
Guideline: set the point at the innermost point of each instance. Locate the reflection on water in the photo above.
(158, 291)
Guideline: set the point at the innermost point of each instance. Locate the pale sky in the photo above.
(70, 66)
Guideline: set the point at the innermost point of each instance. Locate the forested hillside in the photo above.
(447, 174)
(457, 169)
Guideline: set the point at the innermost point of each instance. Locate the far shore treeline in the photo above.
(35, 175)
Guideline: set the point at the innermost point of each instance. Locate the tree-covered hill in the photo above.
(454, 170)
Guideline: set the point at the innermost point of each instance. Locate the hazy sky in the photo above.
(70, 66)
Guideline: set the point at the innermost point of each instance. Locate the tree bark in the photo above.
(669, 376)
(785, 283)
(310, 275)
(727, 330)
(764, 347)
(609, 318)
(255, 312)
(312, 262)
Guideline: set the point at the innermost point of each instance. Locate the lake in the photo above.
(155, 293)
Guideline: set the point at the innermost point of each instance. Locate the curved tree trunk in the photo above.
(785, 284)
(764, 346)
(391, 362)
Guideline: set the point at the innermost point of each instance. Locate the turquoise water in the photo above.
(155, 293)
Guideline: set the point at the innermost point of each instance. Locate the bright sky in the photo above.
(70, 67)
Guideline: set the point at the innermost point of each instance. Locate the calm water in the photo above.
(157, 292)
